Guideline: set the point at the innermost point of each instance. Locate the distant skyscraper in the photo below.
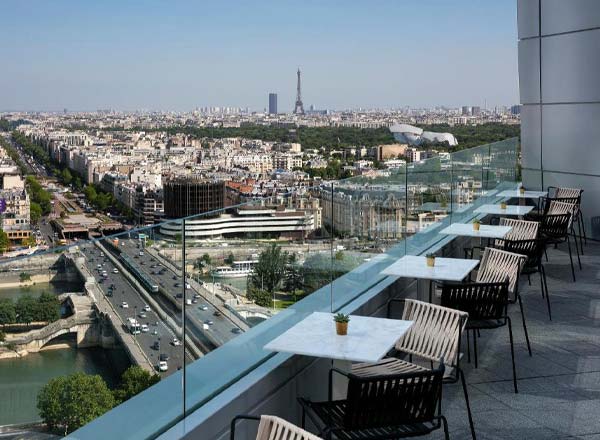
(466, 111)
(515, 110)
(272, 103)
(299, 107)
(476, 111)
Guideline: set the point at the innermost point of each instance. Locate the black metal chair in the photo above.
(273, 428)
(565, 194)
(534, 250)
(554, 229)
(381, 407)
(487, 306)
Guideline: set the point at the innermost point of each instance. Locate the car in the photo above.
(146, 308)
(142, 315)
(115, 270)
(155, 332)
(124, 305)
(163, 357)
(236, 330)
(203, 307)
(217, 313)
(179, 295)
(187, 286)
(109, 294)
(177, 284)
(175, 342)
(145, 328)
(196, 295)
(155, 346)
(209, 322)
(141, 254)
(174, 277)
(162, 366)
(195, 301)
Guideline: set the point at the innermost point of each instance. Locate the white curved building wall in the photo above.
(409, 134)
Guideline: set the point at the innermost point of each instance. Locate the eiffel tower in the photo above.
(299, 107)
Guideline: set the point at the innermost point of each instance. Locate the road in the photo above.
(220, 327)
(123, 291)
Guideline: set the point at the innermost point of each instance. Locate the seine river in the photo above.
(22, 378)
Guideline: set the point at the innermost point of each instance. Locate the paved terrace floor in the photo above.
(559, 387)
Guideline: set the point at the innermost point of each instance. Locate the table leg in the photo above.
(340, 383)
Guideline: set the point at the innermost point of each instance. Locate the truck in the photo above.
(133, 326)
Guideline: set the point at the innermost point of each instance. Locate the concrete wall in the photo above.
(559, 77)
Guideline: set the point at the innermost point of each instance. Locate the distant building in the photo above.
(415, 136)
(188, 196)
(465, 110)
(515, 110)
(272, 103)
(476, 111)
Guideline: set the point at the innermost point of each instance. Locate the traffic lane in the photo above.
(123, 291)
(221, 327)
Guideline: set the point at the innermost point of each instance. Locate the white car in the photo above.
(115, 270)
(141, 254)
(146, 308)
(145, 328)
(176, 342)
(124, 305)
(163, 366)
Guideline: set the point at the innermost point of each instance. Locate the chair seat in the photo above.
(484, 324)
(388, 366)
(333, 414)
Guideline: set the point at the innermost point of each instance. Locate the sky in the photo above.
(178, 55)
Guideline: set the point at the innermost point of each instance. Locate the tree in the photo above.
(133, 381)
(339, 255)
(35, 212)
(26, 309)
(2, 336)
(4, 241)
(66, 176)
(7, 312)
(69, 402)
(270, 269)
(24, 276)
(48, 308)
(90, 193)
(261, 297)
(178, 238)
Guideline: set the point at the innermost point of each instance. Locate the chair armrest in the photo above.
(330, 386)
(240, 417)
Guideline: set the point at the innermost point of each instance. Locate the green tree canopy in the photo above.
(8, 314)
(69, 402)
(26, 309)
(270, 269)
(4, 241)
(66, 176)
(35, 212)
(133, 381)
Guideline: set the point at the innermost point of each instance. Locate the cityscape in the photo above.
(164, 266)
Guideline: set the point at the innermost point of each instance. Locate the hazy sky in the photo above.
(178, 55)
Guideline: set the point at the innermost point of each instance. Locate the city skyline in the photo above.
(182, 56)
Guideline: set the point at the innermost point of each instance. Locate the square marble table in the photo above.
(510, 210)
(485, 231)
(368, 339)
(515, 193)
(445, 269)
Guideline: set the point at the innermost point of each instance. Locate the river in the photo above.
(22, 378)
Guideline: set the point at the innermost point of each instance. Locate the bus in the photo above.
(138, 274)
(133, 326)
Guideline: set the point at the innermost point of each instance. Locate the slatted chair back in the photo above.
(562, 207)
(275, 428)
(568, 193)
(482, 301)
(521, 230)
(435, 331)
(556, 226)
(533, 249)
(497, 265)
(393, 400)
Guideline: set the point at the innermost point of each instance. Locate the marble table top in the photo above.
(368, 339)
(515, 193)
(445, 269)
(485, 231)
(510, 210)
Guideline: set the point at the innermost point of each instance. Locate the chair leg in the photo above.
(528, 279)
(546, 254)
(571, 258)
(445, 423)
(468, 347)
(524, 325)
(545, 286)
(580, 235)
(577, 249)
(464, 386)
(303, 425)
(512, 354)
(475, 347)
(583, 227)
(542, 283)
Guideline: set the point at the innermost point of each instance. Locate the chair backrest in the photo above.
(275, 428)
(556, 226)
(482, 301)
(533, 249)
(393, 400)
(563, 193)
(562, 207)
(521, 229)
(435, 331)
(497, 266)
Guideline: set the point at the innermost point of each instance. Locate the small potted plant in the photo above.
(430, 260)
(522, 190)
(502, 205)
(341, 324)
(476, 224)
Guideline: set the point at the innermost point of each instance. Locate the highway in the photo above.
(220, 327)
(123, 291)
